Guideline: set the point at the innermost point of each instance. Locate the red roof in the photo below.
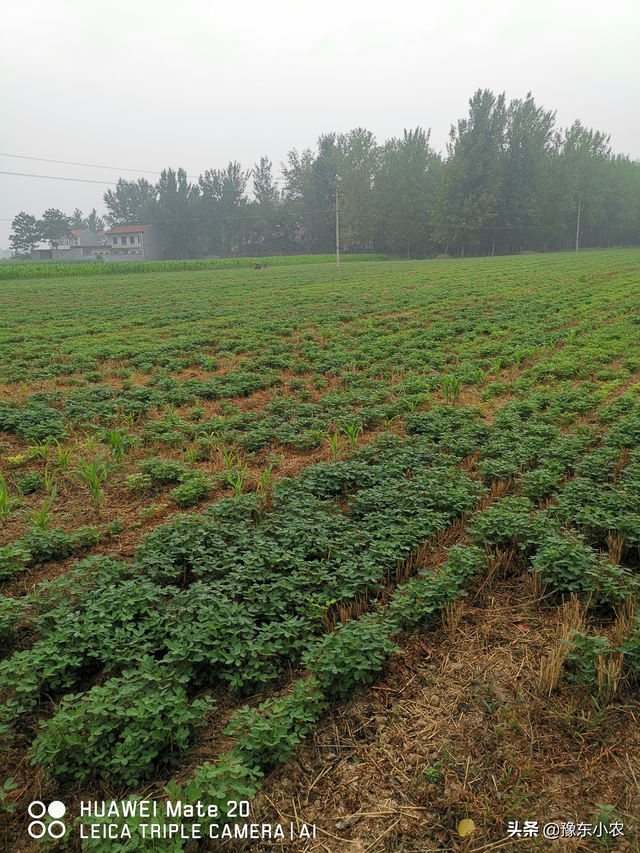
(78, 232)
(128, 229)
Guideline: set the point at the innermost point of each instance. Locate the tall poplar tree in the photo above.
(471, 184)
(176, 209)
(405, 189)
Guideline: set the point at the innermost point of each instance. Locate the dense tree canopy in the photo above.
(27, 233)
(55, 226)
(510, 181)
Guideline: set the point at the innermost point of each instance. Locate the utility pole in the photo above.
(578, 228)
(337, 231)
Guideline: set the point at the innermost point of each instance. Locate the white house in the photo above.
(132, 243)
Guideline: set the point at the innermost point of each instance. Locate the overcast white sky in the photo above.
(146, 84)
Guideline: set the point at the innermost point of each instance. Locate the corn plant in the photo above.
(63, 456)
(446, 387)
(41, 517)
(236, 480)
(118, 442)
(388, 421)
(230, 458)
(127, 418)
(205, 445)
(451, 387)
(4, 498)
(414, 404)
(352, 431)
(6, 504)
(518, 355)
(264, 484)
(191, 454)
(90, 442)
(334, 444)
(92, 475)
(496, 367)
(48, 480)
(480, 377)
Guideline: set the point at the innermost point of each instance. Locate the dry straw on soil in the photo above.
(460, 728)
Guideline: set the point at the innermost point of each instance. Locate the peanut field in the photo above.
(239, 506)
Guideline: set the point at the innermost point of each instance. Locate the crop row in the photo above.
(302, 426)
(119, 658)
(21, 270)
(349, 656)
(237, 591)
(365, 322)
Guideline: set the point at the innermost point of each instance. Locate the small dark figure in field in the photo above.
(256, 266)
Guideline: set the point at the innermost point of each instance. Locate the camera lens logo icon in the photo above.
(37, 828)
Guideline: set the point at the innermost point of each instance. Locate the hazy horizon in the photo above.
(156, 85)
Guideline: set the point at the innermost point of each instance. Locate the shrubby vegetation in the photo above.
(124, 730)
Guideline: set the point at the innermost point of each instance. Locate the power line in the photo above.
(481, 227)
(57, 178)
(234, 218)
(86, 165)
(302, 213)
(114, 183)
(254, 216)
(190, 219)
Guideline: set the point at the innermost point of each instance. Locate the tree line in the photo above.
(510, 181)
(52, 227)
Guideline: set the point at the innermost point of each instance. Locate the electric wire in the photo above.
(85, 165)
(59, 178)
(236, 217)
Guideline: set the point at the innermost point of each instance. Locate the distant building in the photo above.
(82, 243)
(121, 244)
(131, 243)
